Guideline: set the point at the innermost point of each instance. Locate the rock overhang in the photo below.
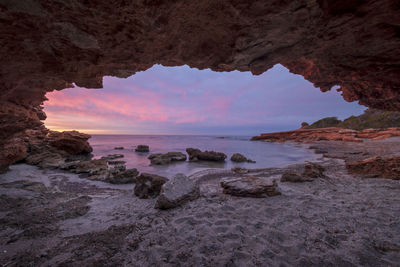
(50, 45)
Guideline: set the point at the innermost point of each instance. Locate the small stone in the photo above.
(142, 148)
(237, 157)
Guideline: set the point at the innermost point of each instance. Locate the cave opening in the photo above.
(183, 100)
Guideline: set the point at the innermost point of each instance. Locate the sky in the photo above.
(184, 100)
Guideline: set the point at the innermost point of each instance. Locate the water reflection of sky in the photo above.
(265, 154)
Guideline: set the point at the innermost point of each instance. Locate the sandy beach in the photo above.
(55, 218)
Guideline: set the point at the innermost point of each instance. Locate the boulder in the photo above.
(197, 154)
(119, 148)
(162, 159)
(142, 148)
(294, 178)
(72, 142)
(237, 157)
(123, 177)
(149, 185)
(250, 187)
(177, 191)
(313, 170)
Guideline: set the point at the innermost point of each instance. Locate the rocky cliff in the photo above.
(50, 45)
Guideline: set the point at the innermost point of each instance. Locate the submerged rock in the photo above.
(119, 148)
(112, 156)
(250, 187)
(197, 154)
(162, 159)
(149, 185)
(237, 157)
(142, 148)
(294, 178)
(177, 191)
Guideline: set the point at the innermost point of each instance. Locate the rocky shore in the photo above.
(247, 217)
(330, 134)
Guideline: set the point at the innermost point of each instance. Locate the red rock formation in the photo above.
(49, 45)
(72, 142)
(43, 147)
(331, 134)
(385, 167)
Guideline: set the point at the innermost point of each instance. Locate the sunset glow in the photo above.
(180, 100)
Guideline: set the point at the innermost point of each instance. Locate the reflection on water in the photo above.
(265, 154)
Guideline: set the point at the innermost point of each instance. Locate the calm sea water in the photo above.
(264, 153)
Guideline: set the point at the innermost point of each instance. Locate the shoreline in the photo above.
(342, 219)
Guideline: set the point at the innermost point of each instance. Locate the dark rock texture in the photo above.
(44, 148)
(196, 154)
(50, 44)
(383, 167)
(178, 190)
(149, 185)
(250, 187)
(142, 148)
(313, 170)
(293, 177)
(162, 159)
(237, 157)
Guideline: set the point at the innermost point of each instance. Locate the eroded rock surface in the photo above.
(44, 148)
(149, 185)
(237, 157)
(178, 190)
(45, 47)
(196, 154)
(163, 159)
(386, 167)
(328, 134)
(293, 177)
(250, 187)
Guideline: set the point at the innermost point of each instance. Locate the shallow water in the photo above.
(264, 153)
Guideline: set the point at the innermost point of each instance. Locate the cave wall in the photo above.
(50, 44)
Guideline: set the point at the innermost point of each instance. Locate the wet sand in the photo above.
(53, 218)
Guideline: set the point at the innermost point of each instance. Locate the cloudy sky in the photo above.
(181, 100)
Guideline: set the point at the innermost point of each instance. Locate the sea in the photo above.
(265, 154)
